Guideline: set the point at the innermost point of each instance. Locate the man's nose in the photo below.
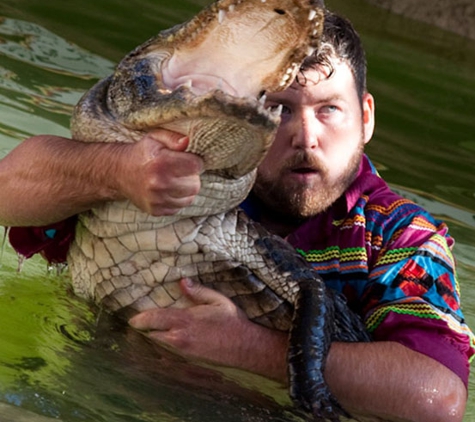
(306, 132)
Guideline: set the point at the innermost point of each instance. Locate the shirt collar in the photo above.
(365, 180)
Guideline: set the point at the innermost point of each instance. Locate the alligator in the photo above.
(207, 78)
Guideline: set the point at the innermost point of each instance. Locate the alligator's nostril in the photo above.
(279, 11)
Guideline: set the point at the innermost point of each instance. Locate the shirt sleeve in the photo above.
(51, 241)
(413, 295)
(431, 337)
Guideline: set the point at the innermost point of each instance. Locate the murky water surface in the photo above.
(52, 365)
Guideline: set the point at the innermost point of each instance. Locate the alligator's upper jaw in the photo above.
(242, 48)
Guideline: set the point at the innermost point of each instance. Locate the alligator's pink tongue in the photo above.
(198, 81)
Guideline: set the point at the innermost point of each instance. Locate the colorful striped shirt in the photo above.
(393, 262)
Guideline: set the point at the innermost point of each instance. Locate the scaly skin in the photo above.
(129, 261)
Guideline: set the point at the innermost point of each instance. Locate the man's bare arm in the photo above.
(47, 178)
(382, 379)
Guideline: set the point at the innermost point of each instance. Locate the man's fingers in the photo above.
(184, 187)
(172, 339)
(142, 321)
(155, 319)
(201, 295)
(172, 140)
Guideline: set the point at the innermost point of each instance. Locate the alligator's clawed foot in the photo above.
(321, 404)
(321, 316)
(328, 409)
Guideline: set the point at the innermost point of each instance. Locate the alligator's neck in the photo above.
(279, 224)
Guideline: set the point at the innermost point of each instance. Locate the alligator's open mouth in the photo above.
(243, 49)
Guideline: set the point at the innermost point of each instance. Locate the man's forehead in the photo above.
(333, 77)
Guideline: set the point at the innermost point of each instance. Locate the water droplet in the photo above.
(21, 261)
(56, 268)
(4, 243)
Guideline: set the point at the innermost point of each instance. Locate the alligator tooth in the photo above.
(220, 84)
(221, 15)
(231, 7)
(187, 84)
(263, 99)
(277, 111)
(312, 14)
(310, 51)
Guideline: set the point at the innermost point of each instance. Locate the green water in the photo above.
(51, 52)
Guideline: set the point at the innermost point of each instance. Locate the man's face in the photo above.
(319, 144)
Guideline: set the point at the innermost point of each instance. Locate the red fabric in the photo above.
(51, 241)
(432, 338)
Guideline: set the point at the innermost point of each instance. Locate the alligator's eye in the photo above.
(279, 11)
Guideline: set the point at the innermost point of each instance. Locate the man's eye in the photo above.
(328, 109)
(286, 110)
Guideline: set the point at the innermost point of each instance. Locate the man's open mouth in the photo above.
(304, 170)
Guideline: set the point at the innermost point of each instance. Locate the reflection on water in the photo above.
(42, 76)
(51, 361)
(32, 44)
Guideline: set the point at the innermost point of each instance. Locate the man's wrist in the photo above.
(266, 353)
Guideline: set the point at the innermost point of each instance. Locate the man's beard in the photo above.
(297, 201)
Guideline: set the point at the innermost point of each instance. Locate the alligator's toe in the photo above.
(321, 403)
(328, 409)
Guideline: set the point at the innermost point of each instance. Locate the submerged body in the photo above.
(206, 79)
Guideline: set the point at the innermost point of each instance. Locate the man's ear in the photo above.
(368, 116)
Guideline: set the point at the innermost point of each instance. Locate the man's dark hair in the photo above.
(340, 41)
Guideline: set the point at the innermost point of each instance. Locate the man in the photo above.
(317, 188)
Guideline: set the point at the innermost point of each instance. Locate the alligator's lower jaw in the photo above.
(232, 140)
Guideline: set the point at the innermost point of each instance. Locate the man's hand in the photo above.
(157, 175)
(217, 331)
(65, 177)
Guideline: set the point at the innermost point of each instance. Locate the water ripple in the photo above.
(35, 45)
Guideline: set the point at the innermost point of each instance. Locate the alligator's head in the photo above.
(207, 78)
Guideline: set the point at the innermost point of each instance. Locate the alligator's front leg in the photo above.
(312, 330)
(310, 339)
